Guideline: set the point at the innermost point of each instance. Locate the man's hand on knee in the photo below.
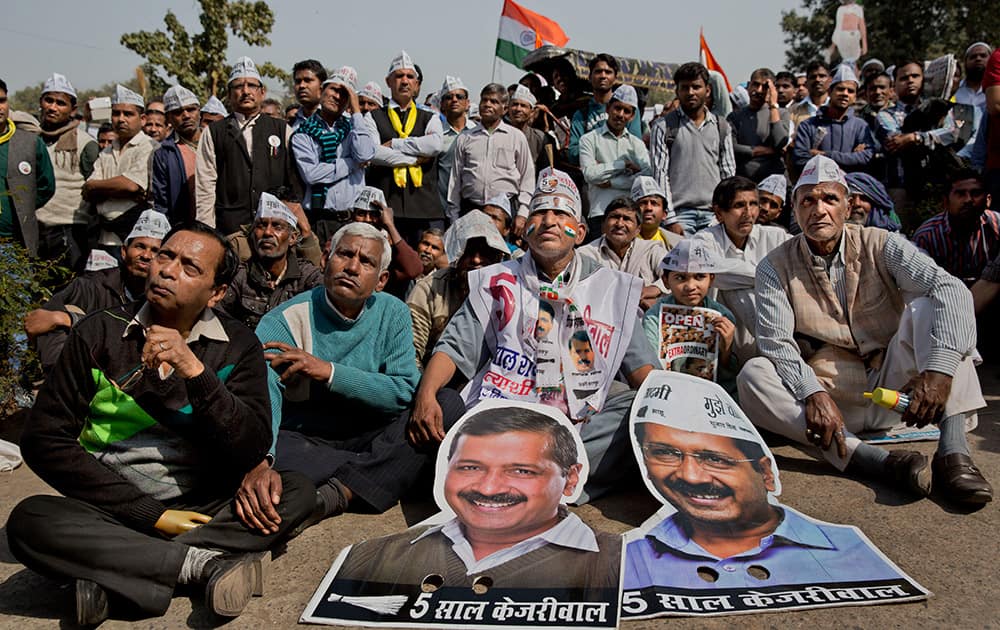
(824, 423)
(257, 498)
(928, 392)
(426, 421)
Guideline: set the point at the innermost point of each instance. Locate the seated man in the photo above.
(742, 243)
(771, 194)
(870, 203)
(370, 207)
(274, 274)
(98, 290)
(476, 243)
(146, 426)
(342, 370)
(651, 201)
(619, 248)
(430, 250)
(498, 208)
(966, 236)
(832, 323)
(531, 542)
(498, 340)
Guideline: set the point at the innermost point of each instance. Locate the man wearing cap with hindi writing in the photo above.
(62, 221)
(701, 456)
(175, 161)
(455, 103)
(491, 339)
(842, 309)
(405, 161)
(274, 273)
(242, 155)
(330, 149)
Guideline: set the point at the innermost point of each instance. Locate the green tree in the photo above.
(199, 61)
(924, 29)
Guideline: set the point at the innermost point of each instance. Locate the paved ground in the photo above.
(953, 553)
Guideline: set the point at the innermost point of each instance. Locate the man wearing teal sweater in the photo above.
(342, 372)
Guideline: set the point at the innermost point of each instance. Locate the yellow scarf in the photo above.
(7, 134)
(399, 173)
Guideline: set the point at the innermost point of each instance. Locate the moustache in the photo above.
(268, 240)
(698, 489)
(503, 497)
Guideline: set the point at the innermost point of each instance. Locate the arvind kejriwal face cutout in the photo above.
(503, 552)
(722, 543)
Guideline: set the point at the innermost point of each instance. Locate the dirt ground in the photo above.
(952, 552)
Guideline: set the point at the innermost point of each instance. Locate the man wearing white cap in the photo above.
(832, 323)
(330, 148)
(121, 178)
(515, 337)
(62, 221)
(738, 239)
(471, 242)
(611, 157)
(691, 149)
(970, 90)
(212, 111)
(771, 196)
(174, 163)
(653, 208)
(370, 97)
(370, 207)
(498, 208)
(98, 290)
(455, 109)
(273, 274)
(835, 131)
(242, 155)
(490, 159)
(410, 141)
(521, 115)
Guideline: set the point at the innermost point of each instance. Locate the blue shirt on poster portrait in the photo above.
(798, 552)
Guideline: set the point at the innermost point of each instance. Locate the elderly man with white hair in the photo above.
(342, 371)
(842, 309)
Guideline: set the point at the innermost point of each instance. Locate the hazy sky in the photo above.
(80, 39)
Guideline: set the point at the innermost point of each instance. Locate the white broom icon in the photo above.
(381, 604)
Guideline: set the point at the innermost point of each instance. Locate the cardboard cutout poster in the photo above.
(722, 544)
(504, 552)
(688, 341)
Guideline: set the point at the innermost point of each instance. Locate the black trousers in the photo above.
(63, 537)
(379, 466)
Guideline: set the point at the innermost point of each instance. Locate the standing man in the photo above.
(835, 131)
(330, 149)
(212, 111)
(62, 221)
(121, 176)
(370, 97)
(831, 322)
(308, 77)
(817, 83)
(490, 159)
(603, 77)
(175, 162)
(404, 166)
(455, 108)
(760, 130)
(242, 155)
(521, 114)
(148, 481)
(970, 90)
(611, 157)
(691, 150)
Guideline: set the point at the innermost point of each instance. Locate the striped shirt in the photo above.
(962, 255)
(570, 532)
(915, 274)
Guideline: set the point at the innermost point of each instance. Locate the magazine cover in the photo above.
(722, 543)
(688, 341)
(504, 552)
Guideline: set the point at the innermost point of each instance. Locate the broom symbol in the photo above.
(381, 604)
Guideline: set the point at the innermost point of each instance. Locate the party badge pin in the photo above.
(24, 168)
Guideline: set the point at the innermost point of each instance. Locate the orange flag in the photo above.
(708, 59)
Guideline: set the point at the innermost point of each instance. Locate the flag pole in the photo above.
(493, 78)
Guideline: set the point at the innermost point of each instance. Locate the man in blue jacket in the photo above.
(174, 162)
(835, 131)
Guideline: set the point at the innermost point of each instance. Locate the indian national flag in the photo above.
(522, 31)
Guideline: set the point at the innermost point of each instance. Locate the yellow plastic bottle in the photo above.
(889, 398)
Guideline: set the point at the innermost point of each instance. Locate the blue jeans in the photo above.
(694, 219)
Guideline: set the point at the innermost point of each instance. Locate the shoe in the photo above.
(959, 479)
(233, 578)
(91, 603)
(910, 470)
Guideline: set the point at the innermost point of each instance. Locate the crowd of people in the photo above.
(401, 261)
